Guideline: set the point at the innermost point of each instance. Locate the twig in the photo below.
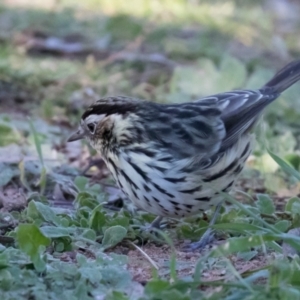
(150, 260)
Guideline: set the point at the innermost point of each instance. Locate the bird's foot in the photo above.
(153, 227)
(206, 239)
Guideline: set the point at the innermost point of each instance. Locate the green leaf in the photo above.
(97, 221)
(113, 235)
(6, 174)
(290, 203)
(283, 225)
(32, 212)
(8, 136)
(293, 159)
(115, 295)
(241, 244)
(154, 287)
(284, 165)
(56, 232)
(89, 234)
(122, 26)
(265, 204)
(6, 279)
(45, 212)
(59, 247)
(32, 241)
(295, 208)
(189, 232)
(118, 220)
(85, 199)
(81, 182)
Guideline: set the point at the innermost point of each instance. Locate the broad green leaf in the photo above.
(59, 247)
(45, 212)
(81, 182)
(97, 221)
(85, 199)
(283, 225)
(295, 208)
(6, 174)
(56, 232)
(115, 295)
(6, 280)
(241, 244)
(119, 220)
(123, 26)
(154, 287)
(290, 203)
(293, 159)
(8, 135)
(84, 222)
(113, 235)
(89, 234)
(31, 240)
(32, 211)
(265, 204)
(250, 211)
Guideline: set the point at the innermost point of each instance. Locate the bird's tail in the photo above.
(284, 78)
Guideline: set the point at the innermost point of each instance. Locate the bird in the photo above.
(177, 160)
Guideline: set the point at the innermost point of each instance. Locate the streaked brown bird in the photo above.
(173, 160)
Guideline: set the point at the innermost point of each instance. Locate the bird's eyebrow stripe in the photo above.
(94, 118)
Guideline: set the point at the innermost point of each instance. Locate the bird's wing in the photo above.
(207, 126)
(184, 130)
(240, 110)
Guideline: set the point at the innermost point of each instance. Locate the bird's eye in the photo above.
(91, 127)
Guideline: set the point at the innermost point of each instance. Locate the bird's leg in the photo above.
(156, 223)
(208, 236)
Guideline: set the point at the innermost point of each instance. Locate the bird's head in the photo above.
(109, 122)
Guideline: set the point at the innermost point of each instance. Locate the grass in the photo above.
(60, 238)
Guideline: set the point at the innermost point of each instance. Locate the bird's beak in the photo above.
(78, 135)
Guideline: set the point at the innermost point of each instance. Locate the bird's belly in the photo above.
(180, 199)
(173, 192)
(176, 202)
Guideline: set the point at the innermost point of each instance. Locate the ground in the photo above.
(66, 231)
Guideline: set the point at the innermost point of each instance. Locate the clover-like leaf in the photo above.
(113, 235)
